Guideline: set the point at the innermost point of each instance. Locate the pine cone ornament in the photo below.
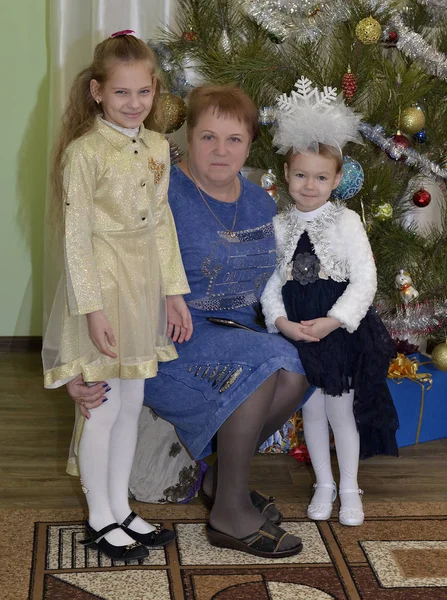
(349, 85)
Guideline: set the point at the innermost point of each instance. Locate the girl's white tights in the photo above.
(338, 411)
(106, 453)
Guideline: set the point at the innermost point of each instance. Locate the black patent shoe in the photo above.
(158, 537)
(133, 551)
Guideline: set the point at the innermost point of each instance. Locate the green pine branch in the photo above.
(387, 83)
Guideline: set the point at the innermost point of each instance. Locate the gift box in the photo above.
(419, 392)
(287, 438)
(290, 440)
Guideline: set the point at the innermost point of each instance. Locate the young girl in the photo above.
(320, 298)
(123, 274)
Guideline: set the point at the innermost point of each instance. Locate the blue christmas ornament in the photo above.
(351, 181)
(421, 137)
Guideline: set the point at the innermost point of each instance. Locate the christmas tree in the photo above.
(389, 60)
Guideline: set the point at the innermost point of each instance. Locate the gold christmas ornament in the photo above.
(368, 31)
(172, 111)
(383, 211)
(412, 119)
(439, 356)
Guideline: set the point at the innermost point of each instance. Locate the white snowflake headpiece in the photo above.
(309, 117)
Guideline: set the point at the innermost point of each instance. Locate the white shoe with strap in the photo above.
(321, 511)
(352, 517)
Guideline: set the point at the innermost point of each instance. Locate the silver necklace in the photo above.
(230, 231)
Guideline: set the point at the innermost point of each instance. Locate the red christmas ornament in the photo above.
(349, 85)
(390, 38)
(402, 142)
(189, 36)
(421, 198)
(393, 36)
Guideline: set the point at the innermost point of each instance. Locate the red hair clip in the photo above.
(123, 32)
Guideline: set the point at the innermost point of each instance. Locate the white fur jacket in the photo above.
(341, 244)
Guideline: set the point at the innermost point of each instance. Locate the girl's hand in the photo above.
(101, 332)
(87, 397)
(322, 326)
(295, 331)
(179, 319)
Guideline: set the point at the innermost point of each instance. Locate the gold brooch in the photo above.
(157, 168)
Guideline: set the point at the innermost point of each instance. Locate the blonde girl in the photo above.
(123, 278)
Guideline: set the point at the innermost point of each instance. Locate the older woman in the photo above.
(231, 385)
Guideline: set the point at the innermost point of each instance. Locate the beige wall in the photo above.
(23, 164)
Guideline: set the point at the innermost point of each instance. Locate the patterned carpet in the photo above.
(400, 553)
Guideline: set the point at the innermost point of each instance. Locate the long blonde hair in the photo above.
(82, 110)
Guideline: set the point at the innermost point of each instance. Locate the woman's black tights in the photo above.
(266, 409)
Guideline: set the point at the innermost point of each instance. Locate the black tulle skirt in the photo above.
(344, 361)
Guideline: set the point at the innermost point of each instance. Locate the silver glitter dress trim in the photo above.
(222, 377)
(231, 380)
(252, 235)
(224, 303)
(317, 230)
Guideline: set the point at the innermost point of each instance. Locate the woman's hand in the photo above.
(322, 326)
(87, 397)
(295, 331)
(179, 319)
(101, 332)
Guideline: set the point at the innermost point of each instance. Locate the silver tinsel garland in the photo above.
(289, 7)
(410, 156)
(414, 46)
(419, 319)
(309, 20)
(437, 8)
(305, 20)
(287, 19)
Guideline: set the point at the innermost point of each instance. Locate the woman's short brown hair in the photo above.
(227, 101)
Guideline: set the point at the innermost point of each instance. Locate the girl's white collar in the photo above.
(129, 132)
(312, 214)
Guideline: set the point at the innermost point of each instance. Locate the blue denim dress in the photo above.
(220, 366)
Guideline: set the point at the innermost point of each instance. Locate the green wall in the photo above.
(23, 163)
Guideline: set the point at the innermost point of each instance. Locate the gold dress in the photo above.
(121, 256)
